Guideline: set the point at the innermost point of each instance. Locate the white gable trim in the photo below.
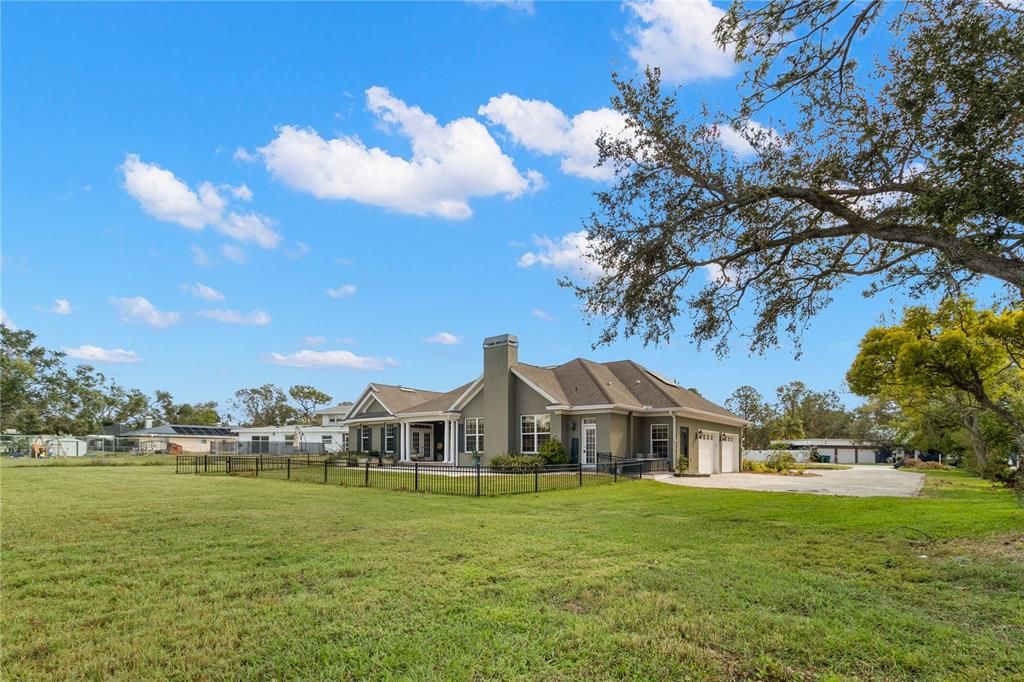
(468, 394)
(369, 393)
(550, 398)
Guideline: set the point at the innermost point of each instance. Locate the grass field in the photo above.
(133, 572)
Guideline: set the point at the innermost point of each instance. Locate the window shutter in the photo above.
(461, 446)
(381, 448)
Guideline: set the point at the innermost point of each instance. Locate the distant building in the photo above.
(838, 450)
(182, 437)
(330, 435)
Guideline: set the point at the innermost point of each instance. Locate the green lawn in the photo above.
(133, 572)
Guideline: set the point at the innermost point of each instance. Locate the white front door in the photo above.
(589, 441)
(420, 438)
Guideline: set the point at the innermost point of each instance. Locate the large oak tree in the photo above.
(906, 172)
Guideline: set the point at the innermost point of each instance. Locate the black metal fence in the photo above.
(645, 465)
(415, 477)
(274, 448)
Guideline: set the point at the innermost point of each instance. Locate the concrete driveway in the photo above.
(858, 481)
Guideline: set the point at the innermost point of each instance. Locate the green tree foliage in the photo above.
(906, 172)
(952, 365)
(797, 412)
(748, 403)
(170, 412)
(266, 405)
(41, 394)
(307, 400)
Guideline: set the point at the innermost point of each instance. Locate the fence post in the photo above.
(325, 471)
(197, 465)
(258, 460)
(206, 463)
(227, 465)
(615, 472)
(366, 476)
(581, 473)
(416, 476)
(478, 478)
(536, 479)
(288, 466)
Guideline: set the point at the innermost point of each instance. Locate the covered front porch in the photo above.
(429, 440)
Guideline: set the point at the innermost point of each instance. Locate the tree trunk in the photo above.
(970, 422)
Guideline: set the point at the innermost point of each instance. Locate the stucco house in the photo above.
(331, 434)
(620, 408)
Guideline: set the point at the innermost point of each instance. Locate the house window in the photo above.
(389, 437)
(474, 434)
(364, 438)
(535, 430)
(260, 444)
(659, 440)
(344, 442)
(326, 440)
(289, 440)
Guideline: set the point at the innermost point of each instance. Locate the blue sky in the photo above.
(340, 182)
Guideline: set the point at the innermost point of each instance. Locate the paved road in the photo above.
(859, 481)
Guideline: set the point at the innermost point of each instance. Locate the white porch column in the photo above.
(455, 441)
(405, 442)
(447, 440)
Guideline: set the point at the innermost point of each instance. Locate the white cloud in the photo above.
(444, 338)
(241, 192)
(244, 155)
(301, 249)
(98, 354)
(331, 358)
(719, 275)
(249, 228)
(61, 307)
(165, 197)
(343, 261)
(199, 256)
(736, 140)
(139, 309)
(679, 38)
(256, 317)
(450, 164)
(162, 195)
(567, 254)
(314, 340)
(235, 254)
(5, 320)
(200, 290)
(524, 6)
(542, 127)
(542, 314)
(342, 291)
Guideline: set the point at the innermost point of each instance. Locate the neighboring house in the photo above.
(186, 437)
(618, 408)
(331, 434)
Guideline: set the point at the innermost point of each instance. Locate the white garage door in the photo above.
(729, 463)
(845, 456)
(706, 452)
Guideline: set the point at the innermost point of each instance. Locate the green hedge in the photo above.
(516, 463)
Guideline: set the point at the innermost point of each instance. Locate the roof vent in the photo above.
(406, 389)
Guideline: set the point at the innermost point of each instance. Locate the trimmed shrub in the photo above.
(516, 463)
(779, 460)
(553, 452)
(914, 463)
